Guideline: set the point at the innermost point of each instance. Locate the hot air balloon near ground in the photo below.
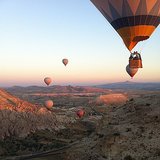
(131, 71)
(47, 80)
(65, 61)
(80, 113)
(48, 104)
(134, 20)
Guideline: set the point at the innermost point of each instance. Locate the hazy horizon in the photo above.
(73, 84)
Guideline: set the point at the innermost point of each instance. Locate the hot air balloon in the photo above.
(80, 113)
(65, 61)
(131, 71)
(49, 104)
(134, 20)
(47, 80)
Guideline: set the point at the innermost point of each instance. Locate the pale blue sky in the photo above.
(35, 35)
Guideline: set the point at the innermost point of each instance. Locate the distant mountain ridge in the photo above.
(85, 89)
(131, 85)
(54, 89)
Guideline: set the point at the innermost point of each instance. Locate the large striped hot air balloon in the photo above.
(134, 20)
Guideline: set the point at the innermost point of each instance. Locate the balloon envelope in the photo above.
(65, 61)
(134, 20)
(48, 80)
(131, 71)
(80, 113)
(49, 104)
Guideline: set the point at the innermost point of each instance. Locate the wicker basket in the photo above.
(134, 63)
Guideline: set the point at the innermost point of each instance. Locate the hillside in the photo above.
(10, 102)
(19, 118)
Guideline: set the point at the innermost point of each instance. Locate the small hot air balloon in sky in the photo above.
(131, 71)
(80, 113)
(48, 80)
(65, 61)
(49, 104)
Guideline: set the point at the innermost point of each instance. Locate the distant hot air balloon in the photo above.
(134, 20)
(80, 113)
(65, 61)
(48, 80)
(131, 71)
(49, 104)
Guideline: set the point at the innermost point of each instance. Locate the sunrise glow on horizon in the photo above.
(37, 35)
